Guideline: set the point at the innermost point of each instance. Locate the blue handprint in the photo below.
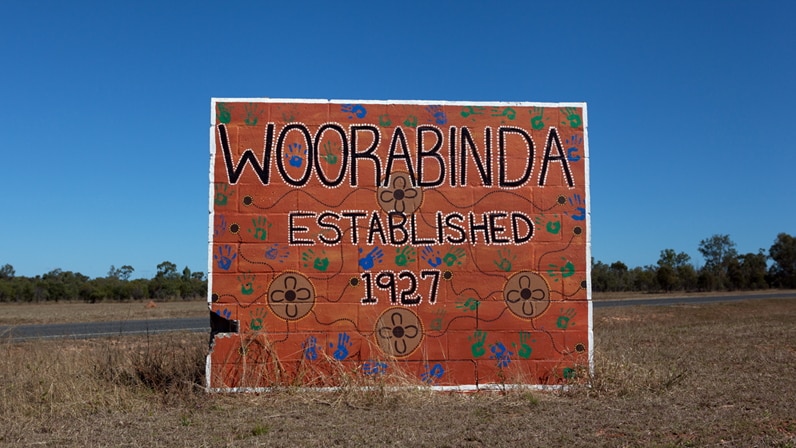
(354, 109)
(369, 260)
(294, 155)
(431, 256)
(573, 145)
(309, 347)
(438, 114)
(433, 374)
(343, 343)
(276, 253)
(220, 229)
(225, 313)
(225, 257)
(577, 201)
(500, 354)
(374, 367)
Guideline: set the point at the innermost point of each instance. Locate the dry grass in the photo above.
(65, 312)
(705, 375)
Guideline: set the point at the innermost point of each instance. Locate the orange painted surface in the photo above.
(446, 241)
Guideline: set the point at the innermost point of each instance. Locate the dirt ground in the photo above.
(689, 375)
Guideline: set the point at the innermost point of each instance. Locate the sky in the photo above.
(106, 110)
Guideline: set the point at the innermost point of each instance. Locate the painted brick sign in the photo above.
(447, 242)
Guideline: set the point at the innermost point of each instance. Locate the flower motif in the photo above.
(291, 296)
(398, 332)
(401, 196)
(527, 294)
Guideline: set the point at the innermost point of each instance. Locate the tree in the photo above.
(675, 271)
(688, 277)
(667, 278)
(644, 278)
(619, 273)
(600, 276)
(166, 284)
(754, 268)
(783, 253)
(125, 272)
(672, 259)
(7, 271)
(122, 273)
(718, 251)
(167, 269)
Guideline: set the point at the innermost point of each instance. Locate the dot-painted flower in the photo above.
(291, 296)
(527, 294)
(398, 332)
(400, 196)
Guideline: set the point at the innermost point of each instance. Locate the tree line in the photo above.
(56, 285)
(724, 270)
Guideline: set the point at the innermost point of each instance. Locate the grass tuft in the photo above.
(708, 375)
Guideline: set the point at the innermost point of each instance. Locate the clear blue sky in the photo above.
(106, 109)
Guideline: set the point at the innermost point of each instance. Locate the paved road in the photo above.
(692, 299)
(99, 329)
(202, 324)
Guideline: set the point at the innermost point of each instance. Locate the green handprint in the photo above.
(253, 114)
(222, 196)
(223, 113)
(537, 117)
(246, 284)
(563, 320)
(261, 226)
(411, 121)
(455, 256)
(567, 270)
(404, 255)
(525, 349)
(330, 157)
(384, 120)
(257, 316)
(472, 110)
(470, 304)
(478, 346)
(436, 323)
(552, 226)
(506, 112)
(319, 263)
(572, 116)
(505, 263)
